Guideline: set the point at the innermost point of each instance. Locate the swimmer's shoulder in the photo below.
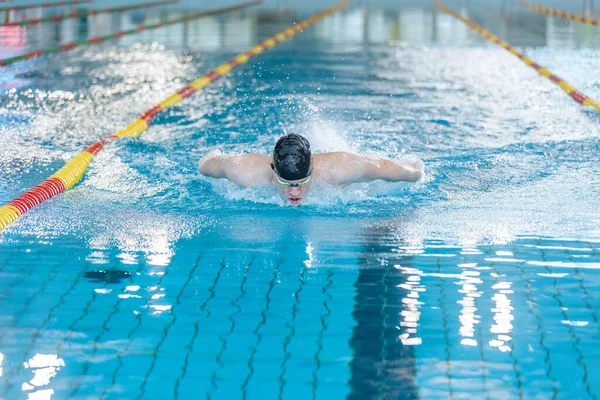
(329, 159)
(255, 160)
(256, 168)
(246, 170)
(329, 168)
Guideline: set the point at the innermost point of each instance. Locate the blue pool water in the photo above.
(148, 281)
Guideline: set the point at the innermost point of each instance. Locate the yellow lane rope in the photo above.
(558, 13)
(564, 85)
(73, 170)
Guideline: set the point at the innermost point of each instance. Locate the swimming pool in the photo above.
(147, 281)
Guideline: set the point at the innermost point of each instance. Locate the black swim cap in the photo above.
(292, 157)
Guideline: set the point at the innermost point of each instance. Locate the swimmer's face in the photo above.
(292, 191)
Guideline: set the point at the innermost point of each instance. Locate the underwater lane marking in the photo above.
(116, 35)
(73, 170)
(558, 13)
(78, 14)
(564, 85)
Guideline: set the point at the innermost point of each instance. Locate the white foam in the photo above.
(317, 195)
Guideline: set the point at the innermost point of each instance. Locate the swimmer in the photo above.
(293, 168)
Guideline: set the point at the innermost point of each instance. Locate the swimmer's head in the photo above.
(292, 166)
(292, 157)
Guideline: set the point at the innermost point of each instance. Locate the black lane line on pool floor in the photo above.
(378, 353)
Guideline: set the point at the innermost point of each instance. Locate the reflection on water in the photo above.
(44, 368)
(419, 27)
(503, 318)
(411, 26)
(374, 315)
(411, 314)
(239, 30)
(320, 292)
(387, 313)
(469, 279)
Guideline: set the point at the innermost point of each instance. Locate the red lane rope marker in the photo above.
(116, 35)
(558, 13)
(45, 5)
(564, 85)
(77, 14)
(73, 170)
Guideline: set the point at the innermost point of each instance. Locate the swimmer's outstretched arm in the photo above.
(344, 168)
(394, 171)
(246, 170)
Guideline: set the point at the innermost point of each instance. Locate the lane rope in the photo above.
(74, 169)
(564, 85)
(87, 13)
(558, 13)
(45, 5)
(99, 39)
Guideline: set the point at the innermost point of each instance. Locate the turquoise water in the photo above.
(148, 281)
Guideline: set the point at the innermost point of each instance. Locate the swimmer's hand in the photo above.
(418, 167)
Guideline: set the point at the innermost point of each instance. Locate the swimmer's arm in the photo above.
(394, 171)
(246, 170)
(349, 168)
